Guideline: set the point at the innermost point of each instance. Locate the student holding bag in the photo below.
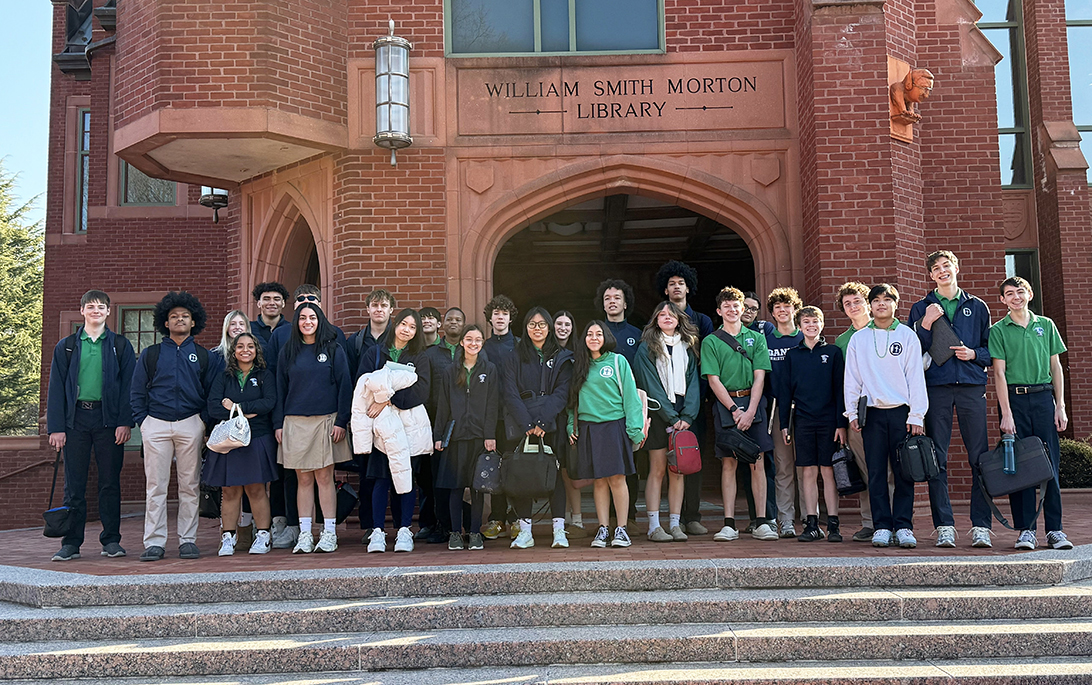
(314, 397)
(666, 367)
(536, 388)
(245, 384)
(606, 425)
(467, 402)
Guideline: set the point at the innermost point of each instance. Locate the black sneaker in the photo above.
(436, 536)
(477, 542)
(601, 537)
(188, 550)
(455, 541)
(864, 535)
(810, 534)
(67, 553)
(153, 553)
(423, 534)
(113, 550)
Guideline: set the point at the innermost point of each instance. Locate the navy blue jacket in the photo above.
(258, 328)
(317, 382)
(279, 338)
(703, 322)
(473, 407)
(117, 376)
(972, 325)
(359, 344)
(813, 379)
(406, 398)
(257, 396)
(524, 407)
(439, 361)
(178, 390)
(499, 347)
(627, 336)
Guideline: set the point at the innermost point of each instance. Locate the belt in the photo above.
(1029, 389)
(739, 393)
(85, 404)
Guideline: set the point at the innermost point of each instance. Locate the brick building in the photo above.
(557, 143)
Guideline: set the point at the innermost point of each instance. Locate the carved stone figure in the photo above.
(907, 93)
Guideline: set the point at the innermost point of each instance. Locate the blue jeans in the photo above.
(969, 402)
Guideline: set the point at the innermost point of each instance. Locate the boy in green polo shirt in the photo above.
(1031, 394)
(736, 379)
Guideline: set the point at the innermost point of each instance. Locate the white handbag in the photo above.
(230, 434)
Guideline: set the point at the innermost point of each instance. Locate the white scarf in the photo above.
(672, 366)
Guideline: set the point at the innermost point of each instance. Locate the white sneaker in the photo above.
(980, 537)
(905, 538)
(227, 544)
(286, 539)
(1026, 540)
(377, 542)
(305, 544)
(765, 532)
(263, 542)
(946, 536)
(404, 541)
(523, 540)
(726, 534)
(561, 540)
(881, 537)
(327, 541)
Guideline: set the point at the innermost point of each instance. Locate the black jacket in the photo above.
(526, 404)
(473, 407)
(258, 396)
(407, 398)
(117, 377)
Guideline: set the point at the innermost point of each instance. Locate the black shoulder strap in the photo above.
(69, 347)
(358, 341)
(731, 341)
(119, 345)
(202, 358)
(151, 361)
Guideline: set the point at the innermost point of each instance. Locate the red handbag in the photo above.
(683, 453)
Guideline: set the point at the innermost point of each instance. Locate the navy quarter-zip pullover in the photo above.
(317, 382)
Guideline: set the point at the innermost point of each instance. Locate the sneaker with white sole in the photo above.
(1058, 540)
(404, 541)
(946, 536)
(286, 539)
(881, 537)
(561, 539)
(788, 530)
(377, 541)
(601, 537)
(327, 541)
(905, 538)
(305, 543)
(1026, 540)
(726, 534)
(621, 538)
(523, 539)
(765, 532)
(227, 544)
(513, 529)
(980, 537)
(493, 530)
(263, 542)
(475, 542)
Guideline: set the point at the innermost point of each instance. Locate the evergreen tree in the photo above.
(21, 265)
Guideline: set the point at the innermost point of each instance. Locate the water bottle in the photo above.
(1008, 441)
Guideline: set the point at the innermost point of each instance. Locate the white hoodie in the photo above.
(886, 366)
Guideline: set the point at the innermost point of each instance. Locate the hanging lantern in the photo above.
(216, 199)
(392, 93)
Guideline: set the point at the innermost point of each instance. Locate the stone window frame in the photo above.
(81, 135)
(537, 9)
(123, 173)
(1018, 67)
(1084, 125)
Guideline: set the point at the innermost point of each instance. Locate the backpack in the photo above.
(683, 452)
(151, 361)
(71, 341)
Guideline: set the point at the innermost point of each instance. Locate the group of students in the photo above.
(314, 396)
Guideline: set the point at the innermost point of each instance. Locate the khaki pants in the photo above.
(164, 442)
(856, 443)
(785, 478)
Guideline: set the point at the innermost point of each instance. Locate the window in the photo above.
(1002, 23)
(1078, 21)
(83, 148)
(1025, 264)
(529, 27)
(136, 188)
(138, 325)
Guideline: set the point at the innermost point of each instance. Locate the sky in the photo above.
(25, 53)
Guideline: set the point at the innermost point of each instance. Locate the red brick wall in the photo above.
(716, 25)
(419, 21)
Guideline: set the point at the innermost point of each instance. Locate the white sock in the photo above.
(559, 524)
(578, 520)
(653, 520)
(305, 524)
(246, 519)
(329, 525)
(674, 518)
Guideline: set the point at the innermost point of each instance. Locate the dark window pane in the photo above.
(1025, 264)
(140, 189)
(1078, 9)
(554, 22)
(1013, 164)
(998, 10)
(1080, 73)
(492, 26)
(617, 25)
(1007, 113)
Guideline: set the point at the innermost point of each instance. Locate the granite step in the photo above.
(1045, 671)
(24, 624)
(936, 642)
(62, 589)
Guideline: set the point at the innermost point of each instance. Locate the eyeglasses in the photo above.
(307, 298)
(541, 325)
(750, 309)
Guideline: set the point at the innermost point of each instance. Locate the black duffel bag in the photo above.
(531, 470)
(847, 477)
(1033, 470)
(736, 442)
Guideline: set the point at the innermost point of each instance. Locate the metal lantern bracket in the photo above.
(392, 109)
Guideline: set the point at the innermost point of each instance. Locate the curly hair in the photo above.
(676, 268)
(269, 287)
(185, 300)
(851, 288)
(503, 303)
(233, 363)
(617, 284)
(784, 295)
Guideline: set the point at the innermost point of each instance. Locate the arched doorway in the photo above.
(300, 261)
(558, 261)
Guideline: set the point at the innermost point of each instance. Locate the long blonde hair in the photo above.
(225, 339)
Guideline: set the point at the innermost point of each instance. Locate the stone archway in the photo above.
(289, 248)
(471, 267)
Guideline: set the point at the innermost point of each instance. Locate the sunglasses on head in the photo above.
(307, 298)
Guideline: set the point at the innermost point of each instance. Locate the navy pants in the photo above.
(1034, 415)
(884, 430)
(969, 403)
(86, 433)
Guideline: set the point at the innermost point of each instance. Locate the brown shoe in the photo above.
(576, 532)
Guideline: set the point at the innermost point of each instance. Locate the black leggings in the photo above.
(523, 507)
(455, 508)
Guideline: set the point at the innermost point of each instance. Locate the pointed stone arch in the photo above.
(282, 243)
